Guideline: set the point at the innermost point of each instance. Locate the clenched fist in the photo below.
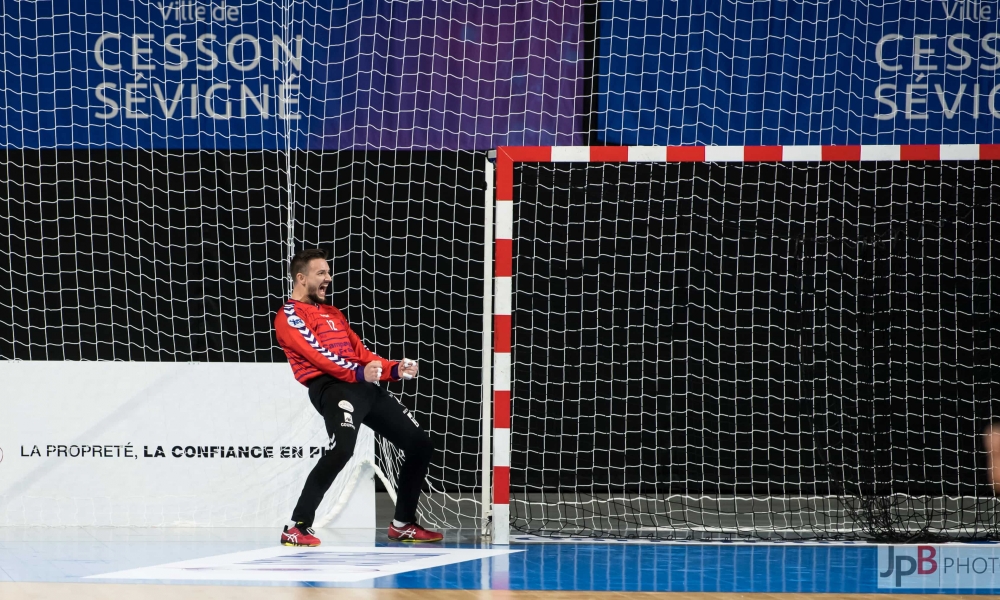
(408, 368)
(373, 371)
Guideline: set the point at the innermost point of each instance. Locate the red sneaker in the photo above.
(299, 537)
(413, 533)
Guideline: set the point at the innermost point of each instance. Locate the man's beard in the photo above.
(315, 297)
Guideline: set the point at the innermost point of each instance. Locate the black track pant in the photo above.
(345, 406)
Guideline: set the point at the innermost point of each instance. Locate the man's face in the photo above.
(317, 279)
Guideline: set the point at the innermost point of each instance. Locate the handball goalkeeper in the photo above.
(342, 375)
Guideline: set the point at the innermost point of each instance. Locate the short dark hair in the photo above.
(301, 261)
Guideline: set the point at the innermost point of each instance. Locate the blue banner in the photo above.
(733, 72)
(447, 74)
(167, 74)
(234, 74)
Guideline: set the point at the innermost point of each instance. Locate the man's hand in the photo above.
(408, 368)
(373, 371)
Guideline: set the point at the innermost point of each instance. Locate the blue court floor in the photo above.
(124, 554)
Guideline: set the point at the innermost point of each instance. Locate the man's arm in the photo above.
(293, 334)
(390, 368)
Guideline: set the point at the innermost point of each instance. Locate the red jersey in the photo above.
(317, 340)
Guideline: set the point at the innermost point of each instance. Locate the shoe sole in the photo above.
(408, 541)
(299, 545)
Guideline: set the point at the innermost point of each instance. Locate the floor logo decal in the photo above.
(281, 563)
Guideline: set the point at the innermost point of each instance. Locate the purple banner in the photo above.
(440, 74)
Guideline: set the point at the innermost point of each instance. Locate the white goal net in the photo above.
(761, 347)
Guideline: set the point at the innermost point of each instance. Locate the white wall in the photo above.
(135, 408)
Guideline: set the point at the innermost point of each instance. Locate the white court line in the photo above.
(537, 539)
(534, 539)
(327, 564)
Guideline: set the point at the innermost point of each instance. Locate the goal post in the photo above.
(797, 390)
(486, 412)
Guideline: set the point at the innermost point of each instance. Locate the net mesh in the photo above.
(162, 161)
(770, 350)
(177, 257)
(141, 255)
(759, 349)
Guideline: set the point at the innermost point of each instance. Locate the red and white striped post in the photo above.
(504, 231)
(503, 272)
